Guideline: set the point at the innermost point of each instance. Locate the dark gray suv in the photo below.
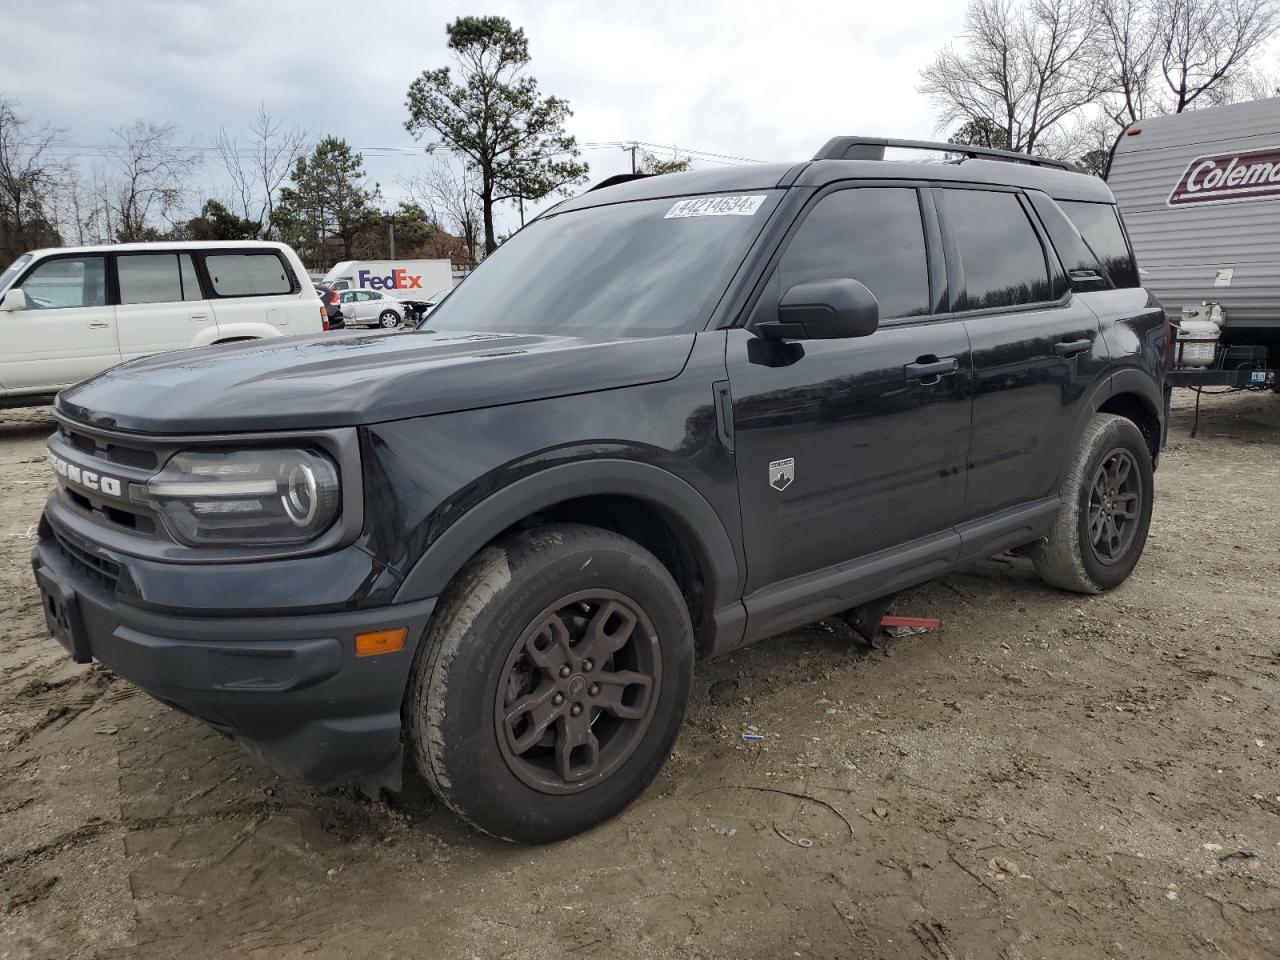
(669, 417)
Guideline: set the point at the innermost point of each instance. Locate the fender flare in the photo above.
(231, 331)
(1124, 380)
(441, 561)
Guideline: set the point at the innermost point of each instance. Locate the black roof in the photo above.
(1058, 183)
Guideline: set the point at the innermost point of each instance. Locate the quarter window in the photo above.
(871, 234)
(1003, 261)
(1075, 254)
(66, 282)
(157, 278)
(1100, 225)
(248, 274)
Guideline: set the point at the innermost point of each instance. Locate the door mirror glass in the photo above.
(13, 300)
(824, 310)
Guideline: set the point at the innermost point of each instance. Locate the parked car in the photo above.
(368, 308)
(67, 314)
(333, 308)
(665, 419)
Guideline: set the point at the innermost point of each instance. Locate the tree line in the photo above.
(1064, 78)
(490, 138)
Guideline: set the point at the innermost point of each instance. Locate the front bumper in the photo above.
(289, 688)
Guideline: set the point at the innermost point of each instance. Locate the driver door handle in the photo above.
(1069, 348)
(930, 367)
(99, 324)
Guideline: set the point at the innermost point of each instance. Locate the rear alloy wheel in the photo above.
(551, 682)
(1106, 510)
(388, 319)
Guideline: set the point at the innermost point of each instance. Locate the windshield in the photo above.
(646, 268)
(13, 270)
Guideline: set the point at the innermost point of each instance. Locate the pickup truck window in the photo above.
(644, 268)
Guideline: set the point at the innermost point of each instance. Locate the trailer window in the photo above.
(1099, 224)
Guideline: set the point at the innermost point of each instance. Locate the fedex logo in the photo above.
(395, 280)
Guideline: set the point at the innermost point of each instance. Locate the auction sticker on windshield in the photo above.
(715, 207)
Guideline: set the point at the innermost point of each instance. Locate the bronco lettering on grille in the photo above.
(89, 479)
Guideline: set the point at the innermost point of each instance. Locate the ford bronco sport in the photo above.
(669, 417)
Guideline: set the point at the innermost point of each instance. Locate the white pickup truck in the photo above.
(69, 313)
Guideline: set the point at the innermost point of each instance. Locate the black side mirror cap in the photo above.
(824, 310)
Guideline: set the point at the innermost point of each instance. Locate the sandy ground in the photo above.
(1046, 776)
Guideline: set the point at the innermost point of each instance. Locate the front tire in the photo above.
(551, 683)
(1102, 525)
(388, 319)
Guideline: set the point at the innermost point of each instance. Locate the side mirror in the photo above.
(824, 310)
(13, 300)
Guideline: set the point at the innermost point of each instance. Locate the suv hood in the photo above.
(336, 380)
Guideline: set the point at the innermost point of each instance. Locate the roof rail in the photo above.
(872, 148)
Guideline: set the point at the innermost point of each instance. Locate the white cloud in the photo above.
(770, 81)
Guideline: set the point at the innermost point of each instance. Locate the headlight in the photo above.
(246, 497)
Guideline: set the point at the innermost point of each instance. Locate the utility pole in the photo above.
(391, 237)
(632, 148)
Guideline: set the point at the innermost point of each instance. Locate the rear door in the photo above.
(252, 288)
(1036, 348)
(68, 331)
(847, 447)
(162, 306)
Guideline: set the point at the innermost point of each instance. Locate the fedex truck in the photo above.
(402, 279)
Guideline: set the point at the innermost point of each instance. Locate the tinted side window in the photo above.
(1100, 225)
(871, 234)
(247, 274)
(1003, 261)
(157, 278)
(66, 282)
(1075, 254)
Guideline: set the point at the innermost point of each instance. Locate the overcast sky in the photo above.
(759, 80)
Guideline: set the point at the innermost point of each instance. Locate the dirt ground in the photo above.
(1046, 776)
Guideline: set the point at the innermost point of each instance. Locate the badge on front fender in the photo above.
(781, 473)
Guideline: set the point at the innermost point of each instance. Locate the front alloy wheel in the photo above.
(578, 691)
(551, 682)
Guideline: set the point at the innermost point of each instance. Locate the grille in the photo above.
(125, 455)
(105, 573)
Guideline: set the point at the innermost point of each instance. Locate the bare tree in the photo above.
(258, 168)
(1023, 70)
(30, 176)
(146, 180)
(1130, 34)
(1201, 43)
(449, 190)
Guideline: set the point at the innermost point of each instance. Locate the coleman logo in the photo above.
(1228, 177)
(85, 478)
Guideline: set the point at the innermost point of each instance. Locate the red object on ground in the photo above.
(927, 623)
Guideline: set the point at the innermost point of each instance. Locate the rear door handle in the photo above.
(99, 324)
(199, 316)
(1069, 348)
(926, 367)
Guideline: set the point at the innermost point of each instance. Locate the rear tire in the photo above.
(1102, 525)
(551, 683)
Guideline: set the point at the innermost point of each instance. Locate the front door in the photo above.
(68, 331)
(846, 447)
(161, 304)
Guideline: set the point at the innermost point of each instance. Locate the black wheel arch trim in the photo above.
(1126, 380)
(441, 561)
